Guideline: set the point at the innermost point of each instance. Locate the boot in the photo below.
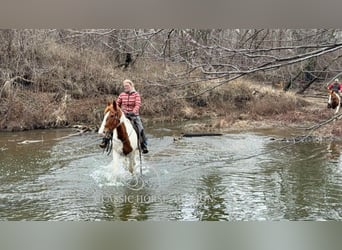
(144, 148)
(144, 142)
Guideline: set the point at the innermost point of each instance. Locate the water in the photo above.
(45, 175)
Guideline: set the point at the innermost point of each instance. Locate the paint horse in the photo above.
(124, 137)
(334, 101)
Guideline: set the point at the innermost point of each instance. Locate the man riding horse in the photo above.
(334, 101)
(335, 86)
(129, 101)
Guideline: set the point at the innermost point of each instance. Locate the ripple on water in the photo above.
(232, 177)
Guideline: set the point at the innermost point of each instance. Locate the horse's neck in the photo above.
(125, 130)
(124, 133)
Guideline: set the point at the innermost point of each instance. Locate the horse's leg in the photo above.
(115, 161)
(339, 103)
(329, 102)
(337, 109)
(132, 162)
(130, 165)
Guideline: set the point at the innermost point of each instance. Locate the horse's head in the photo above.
(113, 116)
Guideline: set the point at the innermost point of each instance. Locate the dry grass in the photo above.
(89, 78)
(26, 110)
(254, 99)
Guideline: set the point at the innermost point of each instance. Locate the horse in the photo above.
(124, 137)
(334, 101)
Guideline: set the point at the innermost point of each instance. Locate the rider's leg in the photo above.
(143, 136)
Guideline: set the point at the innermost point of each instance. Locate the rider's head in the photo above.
(128, 85)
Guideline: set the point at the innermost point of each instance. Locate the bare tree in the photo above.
(297, 57)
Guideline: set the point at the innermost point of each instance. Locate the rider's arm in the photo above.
(119, 100)
(137, 104)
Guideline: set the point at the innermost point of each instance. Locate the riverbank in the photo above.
(236, 105)
(242, 105)
(51, 83)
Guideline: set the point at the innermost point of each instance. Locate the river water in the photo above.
(48, 175)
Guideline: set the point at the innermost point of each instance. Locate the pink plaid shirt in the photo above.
(129, 102)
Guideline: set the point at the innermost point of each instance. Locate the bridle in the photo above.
(109, 134)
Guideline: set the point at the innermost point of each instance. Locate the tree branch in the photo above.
(335, 117)
(267, 66)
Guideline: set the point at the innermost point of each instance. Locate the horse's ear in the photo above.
(115, 105)
(107, 107)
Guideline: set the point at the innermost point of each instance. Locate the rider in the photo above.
(335, 86)
(129, 101)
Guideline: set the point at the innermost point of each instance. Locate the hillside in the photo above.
(63, 86)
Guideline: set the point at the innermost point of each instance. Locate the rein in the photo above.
(109, 139)
(109, 142)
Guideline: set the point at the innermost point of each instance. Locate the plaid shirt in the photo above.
(129, 102)
(335, 86)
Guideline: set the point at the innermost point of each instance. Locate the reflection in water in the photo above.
(128, 205)
(212, 192)
(334, 151)
(232, 177)
(305, 183)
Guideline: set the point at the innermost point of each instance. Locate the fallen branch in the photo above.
(200, 134)
(333, 118)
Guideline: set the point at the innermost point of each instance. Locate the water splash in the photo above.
(107, 176)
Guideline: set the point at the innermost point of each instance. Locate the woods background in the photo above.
(53, 78)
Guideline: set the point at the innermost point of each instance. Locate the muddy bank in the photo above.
(227, 110)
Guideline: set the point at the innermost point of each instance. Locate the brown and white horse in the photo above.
(124, 140)
(334, 101)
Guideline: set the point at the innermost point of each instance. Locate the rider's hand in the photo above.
(130, 114)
